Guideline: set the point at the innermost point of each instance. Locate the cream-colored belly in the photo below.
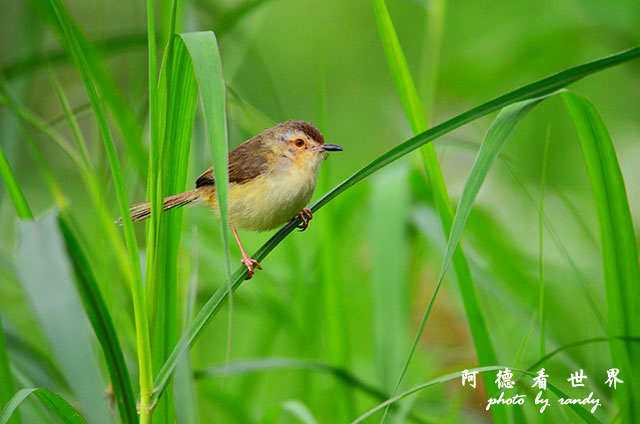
(270, 200)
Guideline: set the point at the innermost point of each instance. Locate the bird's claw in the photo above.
(250, 263)
(305, 216)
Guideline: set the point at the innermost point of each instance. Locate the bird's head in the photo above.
(300, 142)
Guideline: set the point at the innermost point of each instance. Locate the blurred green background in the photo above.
(351, 290)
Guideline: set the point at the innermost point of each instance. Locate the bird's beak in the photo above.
(329, 148)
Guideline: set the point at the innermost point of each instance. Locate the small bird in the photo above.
(271, 179)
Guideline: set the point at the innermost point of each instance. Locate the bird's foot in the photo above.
(250, 263)
(305, 216)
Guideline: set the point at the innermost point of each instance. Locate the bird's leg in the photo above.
(246, 259)
(305, 216)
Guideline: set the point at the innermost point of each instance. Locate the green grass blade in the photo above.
(184, 393)
(435, 14)
(399, 68)
(41, 367)
(113, 96)
(41, 164)
(154, 189)
(7, 388)
(200, 49)
(579, 275)
(114, 45)
(415, 114)
(237, 13)
(31, 118)
(142, 330)
(184, 389)
(496, 137)
(81, 144)
(578, 343)
(275, 364)
(536, 89)
(581, 411)
(541, 302)
(326, 298)
(297, 410)
(203, 48)
(245, 115)
(498, 134)
(178, 103)
(389, 208)
(525, 339)
(28, 36)
(24, 65)
(545, 85)
(60, 407)
(11, 183)
(45, 274)
(96, 309)
(15, 192)
(619, 251)
(91, 181)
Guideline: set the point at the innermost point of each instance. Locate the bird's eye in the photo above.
(299, 142)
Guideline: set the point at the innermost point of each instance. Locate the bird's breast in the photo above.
(271, 199)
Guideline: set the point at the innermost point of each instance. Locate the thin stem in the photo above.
(541, 292)
(30, 117)
(15, 193)
(154, 193)
(73, 123)
(146, 378)
(137, 290)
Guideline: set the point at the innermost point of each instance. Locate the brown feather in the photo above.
(142, 211)
(307, 128)
(246, 161)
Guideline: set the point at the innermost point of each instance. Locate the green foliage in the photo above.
(80, 57)
(389, 208)
(214, 303)
(56, 304)
(322, 334)
(60, 407)
(619, 252)
(14, 190)
(493, 142)
(416, 116)
(203, 48)
(102, 323)
(101, 77)
(7, 388)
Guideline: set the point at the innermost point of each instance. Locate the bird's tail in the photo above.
(142, 211)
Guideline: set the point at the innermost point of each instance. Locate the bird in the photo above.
(272, 177)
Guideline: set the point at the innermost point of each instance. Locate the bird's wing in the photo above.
(206, 179)
(246, 162)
